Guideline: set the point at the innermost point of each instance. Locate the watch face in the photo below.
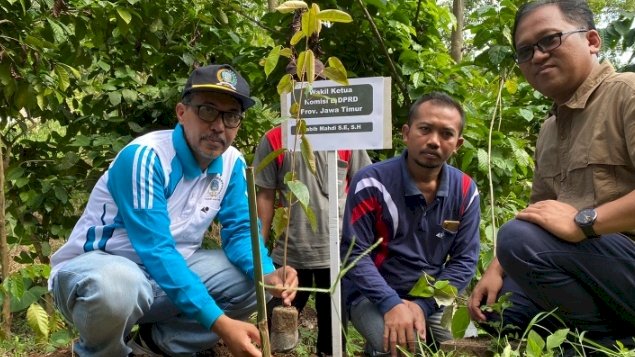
(586, 216)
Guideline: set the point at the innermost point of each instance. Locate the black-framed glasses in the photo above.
(209, 114)
(545, 44)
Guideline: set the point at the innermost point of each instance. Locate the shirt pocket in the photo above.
(439, 241)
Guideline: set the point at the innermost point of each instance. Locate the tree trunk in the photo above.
(457, 33)
(4, 254)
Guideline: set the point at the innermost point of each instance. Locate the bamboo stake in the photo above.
(258, 276)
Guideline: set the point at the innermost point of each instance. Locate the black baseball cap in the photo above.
(222, 79)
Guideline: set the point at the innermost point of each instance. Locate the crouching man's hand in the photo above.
(242, 338)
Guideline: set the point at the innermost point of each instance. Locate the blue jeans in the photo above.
(369, 322)
(105, 295)
(591, 283)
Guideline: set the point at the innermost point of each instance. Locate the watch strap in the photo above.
(589, 232)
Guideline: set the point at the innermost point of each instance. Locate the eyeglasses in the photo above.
(209, 114)
(545, 44)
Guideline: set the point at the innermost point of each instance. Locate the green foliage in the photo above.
(619, 36)
(455, 316)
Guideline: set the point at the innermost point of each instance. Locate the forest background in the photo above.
(81, 78)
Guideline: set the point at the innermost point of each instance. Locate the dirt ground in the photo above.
(307, 320)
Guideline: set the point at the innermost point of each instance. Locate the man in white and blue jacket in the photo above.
(427, 214)
(135, 256)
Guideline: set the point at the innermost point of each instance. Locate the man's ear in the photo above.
(459, 143)
(404, 131)
(595, 41)
(180, 110)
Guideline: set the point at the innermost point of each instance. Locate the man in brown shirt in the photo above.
(571, 249)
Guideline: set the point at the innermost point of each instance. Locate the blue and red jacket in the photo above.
(383, 201)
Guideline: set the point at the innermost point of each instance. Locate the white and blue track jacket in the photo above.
(154, 205)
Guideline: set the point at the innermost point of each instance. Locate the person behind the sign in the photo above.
(307, 250)
(135, 256)
(571, 249)
(427, 214)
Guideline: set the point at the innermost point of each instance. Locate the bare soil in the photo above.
(307, 320)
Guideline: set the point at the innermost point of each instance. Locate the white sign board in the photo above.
(353, 117)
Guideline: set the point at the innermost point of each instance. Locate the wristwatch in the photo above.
(585, 219)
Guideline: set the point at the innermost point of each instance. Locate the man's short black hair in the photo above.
(575, 11)
(441, 99)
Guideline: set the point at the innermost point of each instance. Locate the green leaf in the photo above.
(280, 221)
(69, 160)
(296, 38)
(135, 127)
(16, 286)
(38, 320)
(30, 296)
(125, 15)
(290, 6)
(332, 15)
(446, 317)
(222, 16)
(380, 4)
(629, 39)
(37, 42)
(307, 154)
(58, 31)
(460, 322)
(300, 68)
(310, 23)
(309, 66)
(286, 52)
(289, 176)
(441, 284)
(336, 71)
(21, 182)
(115, 98)
(310, 215)
(41, 101)
(80, 140)
(535, 344)
(294, 110)
(14, 173)
(61, 194)
(272, 60)
(422, 287)
(5, 73)
(498, 53)
(285, 85)
(483, 159)
(129, 95)
(511, 85)
(623, 25)
(268, 159)
(526, 114)
(300, 191)
(557, 338)
(62, 76)
(445, 295)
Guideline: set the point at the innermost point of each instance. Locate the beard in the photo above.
(428, 165)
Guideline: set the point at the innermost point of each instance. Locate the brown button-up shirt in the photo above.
(585, 153)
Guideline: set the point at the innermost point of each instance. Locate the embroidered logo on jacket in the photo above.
(215, 188)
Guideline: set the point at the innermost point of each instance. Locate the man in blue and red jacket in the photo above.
(427, 213)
